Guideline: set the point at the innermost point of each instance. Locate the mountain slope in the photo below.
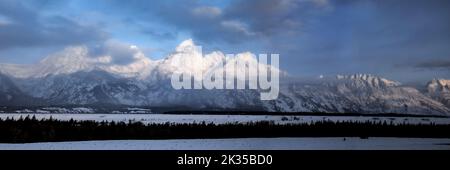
(356, 93)
(92, 87)
(439, 89)
(11, 95)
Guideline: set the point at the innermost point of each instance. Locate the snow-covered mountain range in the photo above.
(74, 77)
(360, 93)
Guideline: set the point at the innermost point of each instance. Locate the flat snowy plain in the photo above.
(221, 119)
(321, 143)
(334, 143)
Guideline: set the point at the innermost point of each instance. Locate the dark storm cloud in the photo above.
(313, 37)
(317, 36)
(240, 21)
(27, 27)
(267, 17)
(434, 65)
(372, 37)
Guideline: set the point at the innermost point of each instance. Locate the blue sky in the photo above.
(406, 40)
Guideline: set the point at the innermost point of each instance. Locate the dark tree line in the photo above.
(29, 129)
(206, 112)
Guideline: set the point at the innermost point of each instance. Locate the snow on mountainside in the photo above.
(187, 57)
(76, 59)
(72, 76)
(439, 89)
(355, 93)
(11, 95)
(70, 60)
(92, 87)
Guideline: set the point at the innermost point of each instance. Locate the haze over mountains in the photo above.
(74, 77)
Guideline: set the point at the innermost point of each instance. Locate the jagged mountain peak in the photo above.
(439, 89)
(186, 46)
(438, 85)
(186, 58)
(333, 96)
(70, 60)
(369, 79)
(67, 56)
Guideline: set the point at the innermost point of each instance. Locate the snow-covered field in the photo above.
(333, 143)
(236, 144)
(220, 119)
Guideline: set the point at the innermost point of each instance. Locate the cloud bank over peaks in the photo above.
(111, 57)
(189, 59)
(128, 60)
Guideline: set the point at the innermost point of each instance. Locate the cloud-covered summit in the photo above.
(187, 57)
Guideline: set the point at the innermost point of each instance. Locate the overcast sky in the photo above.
(406, 40)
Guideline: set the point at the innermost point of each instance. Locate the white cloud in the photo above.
(236, 26)
(118, 52)
(104, 59)
(207, 11)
